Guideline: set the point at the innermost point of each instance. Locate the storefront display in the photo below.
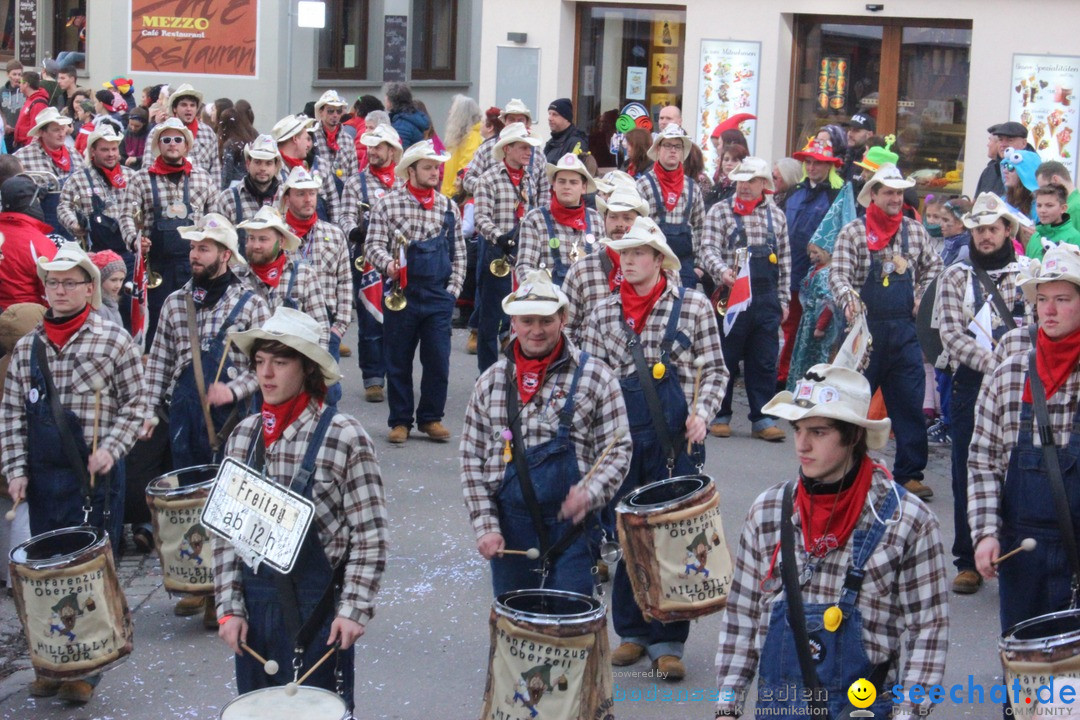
(1043, 98)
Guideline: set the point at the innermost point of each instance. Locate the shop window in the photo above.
(343, 42)
(69, 32)
(434, 34)
(8, 23)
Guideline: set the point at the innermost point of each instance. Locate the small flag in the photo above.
(980, 327)
(403, 263)
(739, 298)
(139, 302)
(370, 291)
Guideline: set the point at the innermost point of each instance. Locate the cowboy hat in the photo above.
(571, 163)
(987, 209)
(750, 168)
(71, 255)
(512, 133)
(614, 179)
(263, 147)
(516, 107)
(623, 199)
(646, 233)
(671, 132)
(423, 150)
(184, 91)
(290, 126)
(380, 134)
(536, 296)
(267, 218)
(105, 132)
(296, 330)
(1058, 263)
(213, 226)
(169, 124)
(887, 175)
(301, 179)
(330, 97)
(46, 116)
(831, 391)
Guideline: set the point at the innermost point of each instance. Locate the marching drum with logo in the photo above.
(69, 600)
(274, 703)
(673, 545)
(549, 657)
(176, 502)
(1033, 651)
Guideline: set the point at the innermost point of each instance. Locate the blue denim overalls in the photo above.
(558, 267)
(369, 331)
(169, 254)
(680, 236)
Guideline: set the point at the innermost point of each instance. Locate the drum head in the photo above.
(548, 606)
(309, 703)
(1045, 630)
(661, 494)
(181, 481)
(56, 547)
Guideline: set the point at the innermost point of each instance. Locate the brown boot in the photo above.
(770, 434)
(43, 687)
(398, 435)
(720, 430)
(434, 430)
(344, 350)
(967, 582)
(188, 605)
(669, 667)
(627, 653)
(916, 487)
(76, 691)
(470, 344)
(374, 394)
(209, 616)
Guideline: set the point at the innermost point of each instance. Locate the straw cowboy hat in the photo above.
(615, 179)
(753, 167)
(290, 126)
(381, 134)
(516, 107)
(423, 150)
(887, 175)
(46, 116)
(572, 163)
(263, 147)
(512, 133)
(301, 179)
(671, 132)
(987, 209)
(1058, 263)
(170, 124)
(185, 91)
(330, 97)
(71, 255)
(104, 131)
(646, 233)
(831, 391)
(536, 296)
(268, 218)
(296, 330)
(213, 226)
(623, 199)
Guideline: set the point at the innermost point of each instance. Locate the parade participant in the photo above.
(258, 188)
(186, 104)
(25, 242)
(483, 160)
(561, 409)
(650, 333)
(553, 238)
(417, 228)
(505, 193)
(674, 203)
(866, 563)
(293, 134)
(168, 193)
(747, 236)
(335, 579)
(47, 153)
(74, 373)
(362, 191)
(93, 200)
(882, 263)
(978, 302)
(333, 159)
(597, 276)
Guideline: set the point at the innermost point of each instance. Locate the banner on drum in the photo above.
(692, 556)
(537, 677)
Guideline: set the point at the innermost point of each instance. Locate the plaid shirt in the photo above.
(534, 252)
(34, 159)
(202, 189)
(204, 153)
(718, 247)
(905, 589)
(350, 510)
(676, 215)
(483, 160)
(341, 164)
(327, 193)
(329, 259)
(851, 258)
(75, 198)
(956, 311)
(99, 350)
(598, 413)
(171, 351)
(586, 286)
(400, 212)
(497, 200)
(603, 336)
(224, 203)
(352, 198)
(307, 293)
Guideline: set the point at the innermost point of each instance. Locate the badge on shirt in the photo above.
(33, 396)
(198, 294)
(530, 381)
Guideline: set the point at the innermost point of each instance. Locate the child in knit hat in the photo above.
(113, 272)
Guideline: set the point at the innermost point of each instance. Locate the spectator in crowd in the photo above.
(24, 242)
(694, 168)
(364, 105)
(105, 105)
(410, 122)
(11, 101)
(723, 187)
(67, 82)
(1055, 224)
(638, 142)
(859, 129)
(1001, 137)
(786, 175)
(463, 136)
(1018, 168)
(234, 133)
(1054, 172)
(211, 112)
(37, 99)
(669, 114)
(566, 138)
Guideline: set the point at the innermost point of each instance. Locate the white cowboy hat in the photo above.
(213, 226)
(169, 124)
(301, 179)
(646, 233)
(103, 131)
(290, 126)
(71, 255)
(423, 150)
(623, 199)
(46, 116)
(536, 296)
(296, 330)
(184, 91)
(512, 133)
(750, 168)
(987, 209)
(887, 175)
(268, 217)
(516, 107)
(263, 147)
(1058, 263)
(381, 134)
(615, 179)
(671, 132)
(572, 163)
(330, 97)
(831, 391)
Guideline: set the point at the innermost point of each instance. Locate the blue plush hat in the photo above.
(1025, 163)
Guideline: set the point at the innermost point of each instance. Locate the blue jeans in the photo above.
(333, 393)
(423, 322)
(896, 366)
(369, 351)
(965, 391)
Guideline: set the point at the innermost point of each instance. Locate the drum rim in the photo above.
(1009, 642)
(280, 689)
(625, 507)
(152, 491)
(99, 535)
(597, 611)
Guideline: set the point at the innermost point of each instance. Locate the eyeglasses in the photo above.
(68, 285)
(170, 139)
(671, 146)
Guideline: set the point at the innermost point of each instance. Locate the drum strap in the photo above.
(1053, 466)
(995, 296)
(67, 440)
(796, 614)
(521, 462)
(197, 367)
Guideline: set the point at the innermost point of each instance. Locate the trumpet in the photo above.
(499, 267)
(723, 292)
(396, 300)
(153, 279)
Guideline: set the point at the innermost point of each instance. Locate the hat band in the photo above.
(811, 394)
(536, 297)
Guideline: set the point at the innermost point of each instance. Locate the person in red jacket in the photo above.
(37, 99)
(24, 242)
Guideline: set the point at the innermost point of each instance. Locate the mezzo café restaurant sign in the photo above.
(194, 37)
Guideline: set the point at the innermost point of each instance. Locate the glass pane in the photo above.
(352, 29)
(70, 27)
(7, 27)
(442, 32)
(932, 113)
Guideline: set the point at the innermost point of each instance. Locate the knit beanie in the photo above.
(109, 263)
(564, 107)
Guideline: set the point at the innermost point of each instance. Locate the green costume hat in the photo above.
(875, 157)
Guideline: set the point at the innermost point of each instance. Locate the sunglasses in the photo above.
(170, 139)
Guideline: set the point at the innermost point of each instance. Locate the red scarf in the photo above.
(880, 227)
(271, 272)
(671, 184)
(614, 278)
(573, 218)
(278, 417)
(515, 175)
(60, 332)
(832, 515)
(292, 162)
(160, 167)
(745, 207)
(300, 227)
(636, 308)
(331, 137)
(60, 157)
(384, 174)
(531, 371)
(193, 126)
(114, 175)
(426, 198)
(1055, 360)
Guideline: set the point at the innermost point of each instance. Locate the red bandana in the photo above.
(278, 417)
(60, 332)
(291, 162)
(331, 137)
(880, 227)
(531, 371)
(745, 207)
(160, 167)
(828, 525)
(515, 175)
(60, 157)
(1055, 360)
(384, 174)
(426, 198)
(193, 127)
(114, 175)
(636, 308)
(573, 218)
(298, 226)
(671, 184)
(271, 272)
(614, 278)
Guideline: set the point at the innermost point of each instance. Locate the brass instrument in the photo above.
(395, 300)
(499, 267)
(723, 292)
(359, 263)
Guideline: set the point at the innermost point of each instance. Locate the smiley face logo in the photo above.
(862, 693)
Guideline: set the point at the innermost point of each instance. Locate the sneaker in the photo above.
(938, 433)
(374, 394)
(721, 430)
(188, 605)
(434, 430)
(669, 668)
(967, 582)
(43, 687)
(470, 344)
(76, 691)
(916, 488)
(627, 653)
(344, 350)
(209, 616)
(770, 434)
(398, 435)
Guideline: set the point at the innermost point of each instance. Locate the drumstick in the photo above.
(269, 666)
(1026, 545)
(531, 553)
(620, 433)
(315, 667)
(10, 514)
(224, 356)
(699, 363)
(973, 319)
(98, 384)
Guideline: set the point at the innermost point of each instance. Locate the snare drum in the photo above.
(673, 545)
(549, 657)
(1036, 649)
(69, 600)
(176, 503)
(309, 703)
